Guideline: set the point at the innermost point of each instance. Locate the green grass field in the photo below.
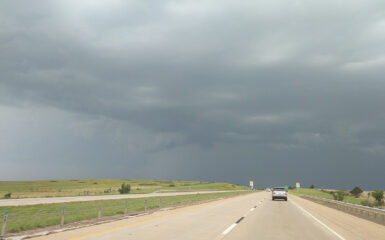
(319, 193)
(43, 215)
(81, 187)
(312, 192)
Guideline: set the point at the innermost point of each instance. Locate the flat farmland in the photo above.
(94, 187)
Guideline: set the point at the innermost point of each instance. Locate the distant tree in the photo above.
(125, 188)
(7, 195)
(291, 187)
(356, 191)
(312, 186)
(379, 196)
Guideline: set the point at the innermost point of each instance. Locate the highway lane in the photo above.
(280, 220)
(252, 216)
(34, 201)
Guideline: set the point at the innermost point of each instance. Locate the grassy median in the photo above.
(43, 215)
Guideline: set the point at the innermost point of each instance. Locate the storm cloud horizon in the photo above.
(270, 91)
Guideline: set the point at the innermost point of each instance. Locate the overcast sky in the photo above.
(271, 91)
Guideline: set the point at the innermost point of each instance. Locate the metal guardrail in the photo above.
(370, 213)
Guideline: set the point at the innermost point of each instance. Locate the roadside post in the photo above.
(2, 236)
(196, 197)
(145, 205)
(125, 207)
(100, 211)
(160, 202)
(62, 216)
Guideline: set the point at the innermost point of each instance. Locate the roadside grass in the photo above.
(23, 218)
(319, 193)
(81, 187)
(352, 199)
(312, 192)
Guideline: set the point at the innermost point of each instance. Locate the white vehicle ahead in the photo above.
(279, 193)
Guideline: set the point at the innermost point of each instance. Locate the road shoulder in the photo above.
(346, 225)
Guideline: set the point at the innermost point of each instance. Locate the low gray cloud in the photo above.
(207, 90)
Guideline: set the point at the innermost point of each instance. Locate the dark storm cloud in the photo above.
(196, 89)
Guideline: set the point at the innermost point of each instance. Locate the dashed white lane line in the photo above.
(229, 229)
(319, 221)
(237, 222)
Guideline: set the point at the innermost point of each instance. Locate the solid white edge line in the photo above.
(319, 221)
(229, 229)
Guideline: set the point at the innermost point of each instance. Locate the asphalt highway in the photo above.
(252, 216)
